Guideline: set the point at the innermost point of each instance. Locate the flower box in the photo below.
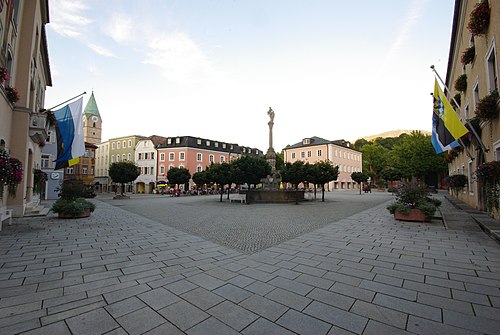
(84, 214)
(479, 19)
(461, 83)
(415, 214)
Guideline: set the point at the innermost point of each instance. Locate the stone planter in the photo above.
(84, 214)
(415, 214)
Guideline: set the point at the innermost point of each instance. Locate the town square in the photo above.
(234, 167)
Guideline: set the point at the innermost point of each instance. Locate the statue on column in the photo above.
(271, 154)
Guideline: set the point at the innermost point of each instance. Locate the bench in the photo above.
(241, 198)
(4, 215)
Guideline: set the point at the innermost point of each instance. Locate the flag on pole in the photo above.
(69, 132)
(446, 127)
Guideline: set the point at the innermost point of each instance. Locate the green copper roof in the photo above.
(91, 108)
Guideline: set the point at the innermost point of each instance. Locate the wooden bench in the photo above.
(4, 215)
(241, 198)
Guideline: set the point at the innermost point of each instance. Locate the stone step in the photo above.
(36, 211)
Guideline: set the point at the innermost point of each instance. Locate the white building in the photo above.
(146, 158)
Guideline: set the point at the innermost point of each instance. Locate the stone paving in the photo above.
(121, 273)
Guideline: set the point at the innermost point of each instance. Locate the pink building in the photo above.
(195, 154)
(340, 153)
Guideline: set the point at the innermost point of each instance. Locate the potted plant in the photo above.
(413, 203)
(489, 174)
(468, 55)
(456, 182)
(461, 83)
(479, 19)
(4, 74)
(12, 94)
(71, 204)
(486, 108)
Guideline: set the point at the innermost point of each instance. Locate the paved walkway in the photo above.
(121, 273)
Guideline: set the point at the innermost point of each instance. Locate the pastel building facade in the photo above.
(195, 154)
(340, 153)
(101, 180)
(146, 158)
(482, 79)
(23, 124)
(123, 149)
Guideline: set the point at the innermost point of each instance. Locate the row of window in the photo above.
(145, 155)
(182, 157)
(337, 153)
(199, 168)
(85, 170)
(123, 157)
(121, 144)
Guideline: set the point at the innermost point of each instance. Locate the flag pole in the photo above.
(62, 103)
(471, 128)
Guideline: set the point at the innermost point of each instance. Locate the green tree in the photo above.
(415, 156)
(294, 173)
(250, 170)
(360, 143)
(178, 176)
(280, 160)
(359, 177)
(200, 178)
(375, 159)
(222, 174)
(123, 172)
(323, 172)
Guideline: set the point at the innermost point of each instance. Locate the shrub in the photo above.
(72, 207)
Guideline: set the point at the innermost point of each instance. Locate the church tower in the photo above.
(92, 122)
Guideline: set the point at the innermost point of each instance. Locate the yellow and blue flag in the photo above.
(446, 127)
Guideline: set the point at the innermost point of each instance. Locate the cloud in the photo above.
(410, 21)
(120, 28)
(100, 50)
(66, 18)
(179, 58)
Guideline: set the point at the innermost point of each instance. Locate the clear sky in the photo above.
(335, 69)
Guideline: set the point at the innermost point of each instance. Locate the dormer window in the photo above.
(169, 141)
(198, 141)
(178, 140)
(208, 143)
(306, 141)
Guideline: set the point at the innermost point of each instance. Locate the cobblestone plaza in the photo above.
(193, 265)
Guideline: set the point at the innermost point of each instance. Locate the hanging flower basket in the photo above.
(489, 174)
(458, 99)
(461, 83)
(456, 182)
(11, 172)
(486, 108)
(39, 179)
(479, 19)
(4, 74)
(468, 55)
(12, 94)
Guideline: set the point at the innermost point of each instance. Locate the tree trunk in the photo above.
(323, 193)
(228, 189)
(315, 192)
(221, 194)
(360, 186)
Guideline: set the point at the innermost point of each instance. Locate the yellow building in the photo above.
(340, 153)
(473, 57)
(23, 125)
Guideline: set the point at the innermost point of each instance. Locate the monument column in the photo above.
(271, 154)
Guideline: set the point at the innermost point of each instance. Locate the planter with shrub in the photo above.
(71, 202)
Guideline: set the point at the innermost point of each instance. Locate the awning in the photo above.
(161, 183)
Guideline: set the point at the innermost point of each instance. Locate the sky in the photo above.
(212, 68)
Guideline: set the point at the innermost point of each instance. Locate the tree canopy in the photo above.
(250, 170)
(178, 176)
(123, 172)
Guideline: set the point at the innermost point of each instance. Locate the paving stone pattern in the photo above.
(118, 272)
